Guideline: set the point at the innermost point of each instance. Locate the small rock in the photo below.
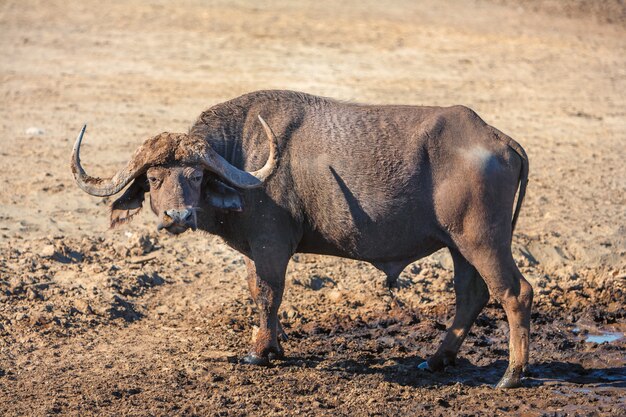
(35, 131)
(48, 251)
(40, 319)
(16, 285)
(31, 294)
(121, 250)
(83, 306)
(162, 309)
(386, 341)
(139, 244)
(335, 296)
(20, 316)
(290, 313)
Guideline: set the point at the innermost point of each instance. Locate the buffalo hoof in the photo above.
(252, 359)
(511, 379)
(276, 356)
(437, 363)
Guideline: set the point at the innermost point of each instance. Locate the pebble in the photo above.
(16, 285)
(40, 319)
(35, 131)
(20, 316)
(48, 251)
(31, 294)
(290, 313)
(82, 306)
(335, 296)
(386, 341)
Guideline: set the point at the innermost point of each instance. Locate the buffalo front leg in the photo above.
(266, 280)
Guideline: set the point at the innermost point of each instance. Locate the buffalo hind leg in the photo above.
(266, 280)
(508, 286)
(471, 297)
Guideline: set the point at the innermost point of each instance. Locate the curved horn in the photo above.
(100, 187)
(244, 179)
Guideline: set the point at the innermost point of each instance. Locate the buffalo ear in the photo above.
(124, 208)
(221, 196)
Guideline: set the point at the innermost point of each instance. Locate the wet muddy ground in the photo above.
(86, 330)
(133, 322)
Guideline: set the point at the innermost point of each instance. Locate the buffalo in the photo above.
(276, 173)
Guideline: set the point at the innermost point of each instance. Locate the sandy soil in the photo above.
(131, 322)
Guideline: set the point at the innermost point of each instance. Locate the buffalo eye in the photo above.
(196, 178)
(154, 181)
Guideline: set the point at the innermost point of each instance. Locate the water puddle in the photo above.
(598, 336)
(604, 337)
(617, 374)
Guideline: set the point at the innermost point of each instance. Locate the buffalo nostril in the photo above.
(179, 215)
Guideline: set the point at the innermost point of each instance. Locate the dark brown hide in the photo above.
(383, 184)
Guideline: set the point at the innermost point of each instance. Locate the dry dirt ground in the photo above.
(131, 322)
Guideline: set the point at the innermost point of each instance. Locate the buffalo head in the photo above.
(181, 172)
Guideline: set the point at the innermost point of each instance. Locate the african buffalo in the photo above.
(382, 184)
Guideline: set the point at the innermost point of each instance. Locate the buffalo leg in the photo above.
(508, 286)
(254, 289)
(471, 297)
(266, 279)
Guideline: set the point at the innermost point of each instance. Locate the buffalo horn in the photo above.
(101, 187)
(240, 178)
